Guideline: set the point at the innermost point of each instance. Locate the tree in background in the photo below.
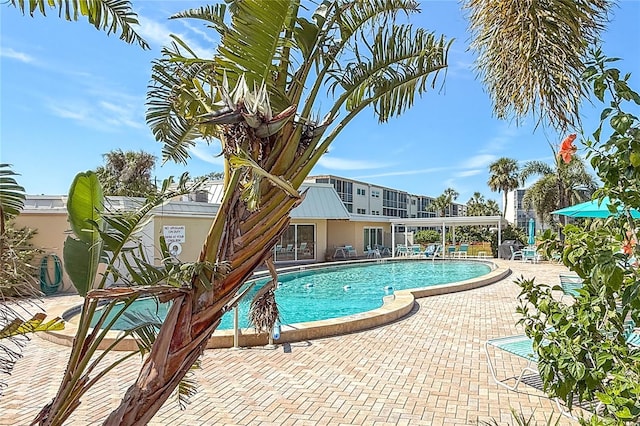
(127, 173)
(503, 177)
(212, 176)
(439, 205)
(478, 206)
(427, 236)
(559, 186)
(451, 195)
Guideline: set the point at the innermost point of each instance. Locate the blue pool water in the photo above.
(333, 292)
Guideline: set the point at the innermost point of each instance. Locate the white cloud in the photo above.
(478, 161)
(468, 173)
(207, 152)
(120, 111)
(8, 52)
(159, 35)
(336, 163)
(404, 173)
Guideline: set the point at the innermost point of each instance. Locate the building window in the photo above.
(375, 193)
(361, 191)
(362, 211)
(297, 243)
(372, 238)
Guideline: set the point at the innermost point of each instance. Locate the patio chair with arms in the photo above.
(570, 285)
(515, 253)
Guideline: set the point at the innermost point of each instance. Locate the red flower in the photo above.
(627, 248)
(567, 148)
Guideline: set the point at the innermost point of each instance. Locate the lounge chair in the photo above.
(522, 346)
(401, 250)
(462, 251)
(451, 250)
(303, 248)
(416, 250)
(570, 285)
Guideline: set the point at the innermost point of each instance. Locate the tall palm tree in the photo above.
(107, 15)
(260, 97)
(503, 177)
(530, 54)
(451, 195)
(559, 186)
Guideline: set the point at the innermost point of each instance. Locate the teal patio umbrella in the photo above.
(592, 209)
(532, 232)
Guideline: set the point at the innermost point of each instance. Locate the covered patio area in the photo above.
(443, 223)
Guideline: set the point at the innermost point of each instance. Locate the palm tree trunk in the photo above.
(194, 316)
(504, 204)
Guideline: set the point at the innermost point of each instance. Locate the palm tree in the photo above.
(559, 186)
(546, 45)
(127, 173)
(478, 206)
(439, 205)
(260, 97)
(492, 208)
(503, 177)
(451, 195)
(106, 15)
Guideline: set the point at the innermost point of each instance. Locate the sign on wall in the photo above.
(174, 233)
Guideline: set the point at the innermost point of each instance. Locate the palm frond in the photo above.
(19, 326)
(170, 102)
(358, 16)
(11, 194)
(214, 15)
(112, 16)
(264, 312)
(397, 65)
(530, 54)
(253, 45)
(188, 386)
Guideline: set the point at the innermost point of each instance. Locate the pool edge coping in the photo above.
(394, 307)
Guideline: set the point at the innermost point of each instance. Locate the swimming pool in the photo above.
(334, 291)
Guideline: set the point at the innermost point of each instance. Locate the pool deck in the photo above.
(428, 368)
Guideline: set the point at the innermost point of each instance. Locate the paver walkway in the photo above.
(426, 369)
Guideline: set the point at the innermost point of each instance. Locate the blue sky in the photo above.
(69, 94)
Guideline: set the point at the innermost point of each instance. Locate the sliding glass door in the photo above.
(297, 243)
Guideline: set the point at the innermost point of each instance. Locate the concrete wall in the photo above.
(51, 230)
(340, 233)
(196, 230)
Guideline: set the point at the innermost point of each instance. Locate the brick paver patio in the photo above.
(426, 369)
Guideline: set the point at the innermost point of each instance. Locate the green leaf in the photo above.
(85, 204)
(577, 370)
(80, 264)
